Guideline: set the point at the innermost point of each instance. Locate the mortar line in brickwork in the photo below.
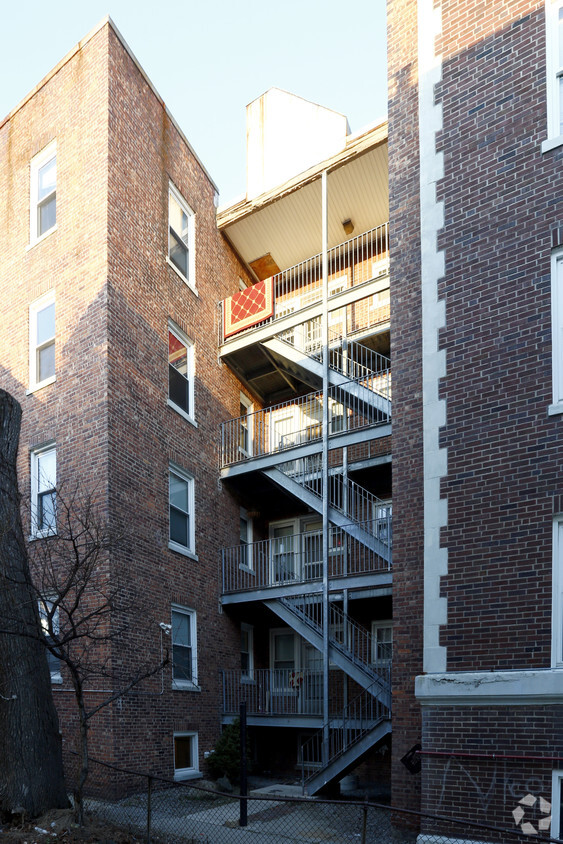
(490, 755)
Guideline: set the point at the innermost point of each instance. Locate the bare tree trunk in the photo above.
(31, 768)
(83, 751)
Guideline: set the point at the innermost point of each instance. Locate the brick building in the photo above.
(277, 312)
(111, 263)
(475, 173)
(151, 333)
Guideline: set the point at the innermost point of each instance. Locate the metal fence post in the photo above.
(243, 820)
(364, 824)
(149, 810)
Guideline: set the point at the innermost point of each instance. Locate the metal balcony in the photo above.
(352, 265)
(354, 405)
(290, 564)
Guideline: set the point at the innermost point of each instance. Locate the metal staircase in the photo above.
(359, 400)
(350, 645)
(342, 741)
(357, 374)
(357, 511)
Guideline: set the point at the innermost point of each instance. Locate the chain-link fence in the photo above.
(158, 810)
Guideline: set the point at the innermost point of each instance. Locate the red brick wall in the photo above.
(503, 457)
(146, 151)
(463, 780)
(107, 412)
(407, 391)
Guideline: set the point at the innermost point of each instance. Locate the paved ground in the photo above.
(191, 816)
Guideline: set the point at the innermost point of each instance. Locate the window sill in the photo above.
(180, 549)
(182, 413)
(39, 386)
(185, 686)
(552, 143)
(555, 409)
(41, 534)
(40, 239)
(181, 275)
(188, 775)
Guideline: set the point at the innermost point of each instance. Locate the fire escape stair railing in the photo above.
(303, 483)
(364, 388)
(351, 650)
(346, 758)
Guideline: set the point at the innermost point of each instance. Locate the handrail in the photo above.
(353, 405)
(357, 719)
(351, 263)
(344, 633)
(345, 495)
(294, 559)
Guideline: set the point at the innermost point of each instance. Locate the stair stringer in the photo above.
(303, 362)
(364, 675)
(335, 517)
(338, 766)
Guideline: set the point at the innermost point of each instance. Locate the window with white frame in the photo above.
(245, 432)
(43, 193)
(557, 610)
(185, 756)
(556, 804)
(247, 651)
(49, 620)
(180, 372)
(382, 643)
(554, 60)
(245, 539)
(42, 341)
(184, 648)
(181, 500)
(43, 490)
(181, 236)
(557, 328)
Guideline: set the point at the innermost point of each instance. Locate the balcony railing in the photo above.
(351, 264)
(299, 421)
(274, 691)
(296, 559)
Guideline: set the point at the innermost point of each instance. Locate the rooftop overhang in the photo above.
(285, 223)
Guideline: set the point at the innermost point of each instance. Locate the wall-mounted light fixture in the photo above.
(348, 226)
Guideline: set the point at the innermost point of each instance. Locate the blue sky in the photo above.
(209, 59)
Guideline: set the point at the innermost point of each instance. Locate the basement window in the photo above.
(185, 756)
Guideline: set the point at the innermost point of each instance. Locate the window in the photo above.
(382, 643)
(42, 341)
(556, 804)
(245, 539)
(181, 236)
(49, 620)
(554, 44)
(184, 648)
(43, 494)
(557, 612)
(247, 651)
(43, 193)
(557, 329)
(180, 372)
(185, 756)
(245, 433)
(181, 499)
